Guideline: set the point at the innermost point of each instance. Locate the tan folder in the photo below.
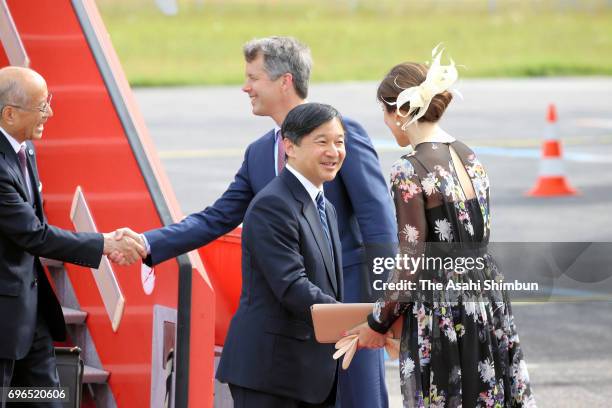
(331, 320)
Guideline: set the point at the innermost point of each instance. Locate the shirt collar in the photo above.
(14, 143)
(312, 190)
(276, 132)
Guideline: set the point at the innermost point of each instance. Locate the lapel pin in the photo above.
(31, 152)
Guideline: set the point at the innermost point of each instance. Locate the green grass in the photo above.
(360, 39)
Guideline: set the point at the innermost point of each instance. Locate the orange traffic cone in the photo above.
(551, 180)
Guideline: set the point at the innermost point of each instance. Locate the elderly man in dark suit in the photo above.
(291, 259)
(31, 315)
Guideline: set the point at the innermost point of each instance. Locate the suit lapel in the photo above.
(335, 236)
(13, 164)
(269, 154)
(34, 179)
(262, 153)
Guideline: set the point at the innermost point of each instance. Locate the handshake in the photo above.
(124, 246)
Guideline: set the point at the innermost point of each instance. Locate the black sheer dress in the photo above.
(459, 348)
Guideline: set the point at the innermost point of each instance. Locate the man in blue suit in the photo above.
(291, 259)
(277, 75)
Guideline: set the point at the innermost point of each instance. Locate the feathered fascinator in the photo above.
(439, 79)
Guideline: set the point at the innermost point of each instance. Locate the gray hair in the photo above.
(283, 55)
(11, 93)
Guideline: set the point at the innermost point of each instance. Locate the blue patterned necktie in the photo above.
(323, 218)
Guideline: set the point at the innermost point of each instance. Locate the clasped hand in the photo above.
(124, 246)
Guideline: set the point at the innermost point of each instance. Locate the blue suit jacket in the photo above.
(270, 346)
(359, 193)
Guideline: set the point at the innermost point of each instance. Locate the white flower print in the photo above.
(406, 367)
(376, 313)
(444, 230)
(410, 233)
(523, 372)
(529, 402)
(429, 184)
(469, 228)
(486, 370)
(499, 334)
(446, 326)
(450, 333)
(470, 171)
(451, 188)
(470, 309)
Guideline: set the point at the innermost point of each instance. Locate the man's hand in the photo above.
(124, 246)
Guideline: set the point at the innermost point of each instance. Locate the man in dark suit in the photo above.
(277, 75)
(291, 259)
(31, 315)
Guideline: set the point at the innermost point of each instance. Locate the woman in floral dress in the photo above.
(458, 348)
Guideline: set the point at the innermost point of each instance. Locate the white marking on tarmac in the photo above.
(598, 123)
(536, 153)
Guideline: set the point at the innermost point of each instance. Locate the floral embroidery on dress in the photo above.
(447, 327)
(436, 400)
(487, 372)
(492, 398)
(430, 184)
(406, 367)
(464, 216)
(444, 230)
(410, 234)
(377, 309)
(401, 180)
(480, 181)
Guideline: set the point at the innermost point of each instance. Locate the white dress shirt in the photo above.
(312, 190)
(17, 146)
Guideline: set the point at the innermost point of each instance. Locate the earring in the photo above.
(398, 123)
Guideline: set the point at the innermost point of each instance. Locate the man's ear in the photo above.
(287, 82)
(289, 147)
(8, 114)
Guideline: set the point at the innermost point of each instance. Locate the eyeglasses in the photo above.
(43, 109)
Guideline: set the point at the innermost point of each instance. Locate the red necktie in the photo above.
(280, 154)
(21, 154)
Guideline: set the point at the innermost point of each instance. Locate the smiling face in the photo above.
(265, 94)
(33, 120)
(320, 153)
(26, 121)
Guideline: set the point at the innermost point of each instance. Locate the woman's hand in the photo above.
(368, 338)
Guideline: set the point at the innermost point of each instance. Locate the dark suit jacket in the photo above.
(366, 217)
(25, 236)
(286, 268)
